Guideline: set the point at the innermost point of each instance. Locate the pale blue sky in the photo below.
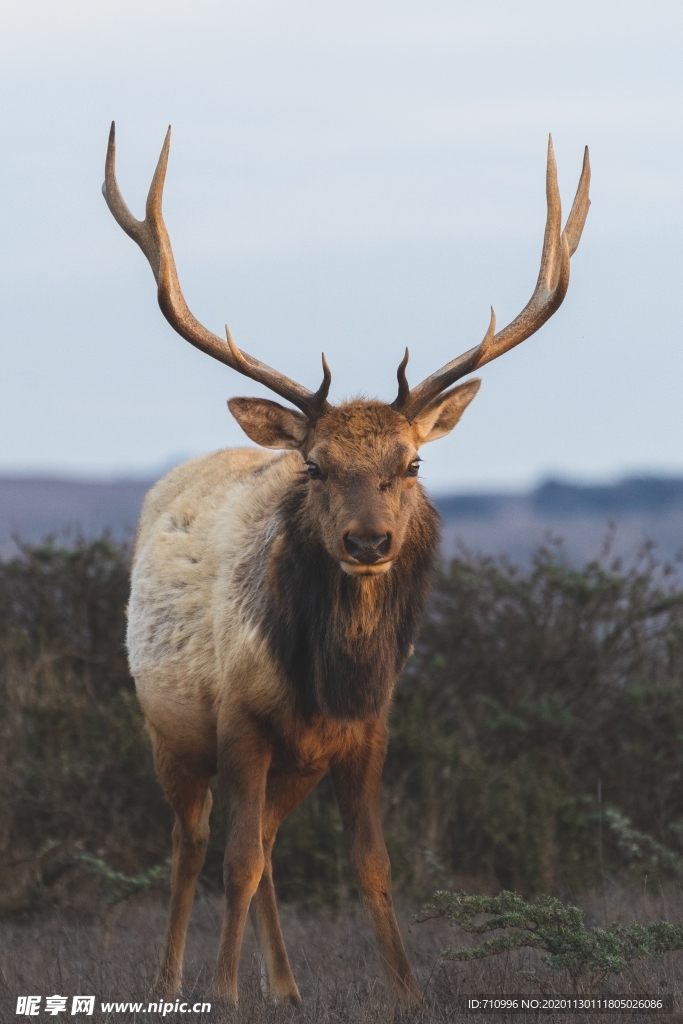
(353, 176)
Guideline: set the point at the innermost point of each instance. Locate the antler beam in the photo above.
(152, 237)
(550, 290)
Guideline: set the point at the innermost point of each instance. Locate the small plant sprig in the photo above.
(122, 887)
(547, 924)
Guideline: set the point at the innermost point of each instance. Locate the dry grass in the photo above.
(333, 957)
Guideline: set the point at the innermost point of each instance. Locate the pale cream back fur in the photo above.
(199, 562)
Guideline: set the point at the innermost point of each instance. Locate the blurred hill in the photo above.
(33, 508)
(635, 512)
(638, 509)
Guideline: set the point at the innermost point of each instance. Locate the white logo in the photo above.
(55, 1005)
(28, 1005)
(83, 1004)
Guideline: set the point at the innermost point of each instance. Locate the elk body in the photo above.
(275, 599)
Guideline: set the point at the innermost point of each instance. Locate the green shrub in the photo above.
(530, 693)
(549, 925)
(76, 771)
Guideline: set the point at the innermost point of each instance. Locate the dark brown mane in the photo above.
(342, 641)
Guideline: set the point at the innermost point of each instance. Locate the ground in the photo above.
(115, 957)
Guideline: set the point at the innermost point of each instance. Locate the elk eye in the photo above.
(413, 467)
(313, 471)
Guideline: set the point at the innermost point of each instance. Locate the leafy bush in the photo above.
(67, 605)
(533, 699)
(536, 734)
(547, 924)
(76, 772)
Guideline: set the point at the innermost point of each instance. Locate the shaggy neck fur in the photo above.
(343, 640)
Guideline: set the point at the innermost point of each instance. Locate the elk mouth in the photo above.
(358, 569)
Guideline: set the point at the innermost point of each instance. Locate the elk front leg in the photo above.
(356, 779)
(188, 793)
(244, 757)
(283, 793)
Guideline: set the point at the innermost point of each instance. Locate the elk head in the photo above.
(360, 458)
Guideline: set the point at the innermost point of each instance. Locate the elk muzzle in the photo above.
(368, 553)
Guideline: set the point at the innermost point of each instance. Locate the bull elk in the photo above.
(275, 599)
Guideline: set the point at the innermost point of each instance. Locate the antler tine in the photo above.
(551, 288)
(313, 404)
(579, 211)
(152, 237)
(410, 402)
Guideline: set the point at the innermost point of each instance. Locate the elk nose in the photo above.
(367, 550)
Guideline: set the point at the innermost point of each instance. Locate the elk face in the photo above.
(362, 464)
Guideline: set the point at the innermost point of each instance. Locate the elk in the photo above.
(275, 599)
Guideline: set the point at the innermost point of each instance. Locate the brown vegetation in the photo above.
(535, 737)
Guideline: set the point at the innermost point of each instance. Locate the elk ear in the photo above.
(441, 415)
(269, 424)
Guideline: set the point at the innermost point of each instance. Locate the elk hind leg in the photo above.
(244, 757)
(188, 793)
(356, 780)
(283, 793)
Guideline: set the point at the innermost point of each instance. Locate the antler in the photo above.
(551, 288)
(152, 237)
